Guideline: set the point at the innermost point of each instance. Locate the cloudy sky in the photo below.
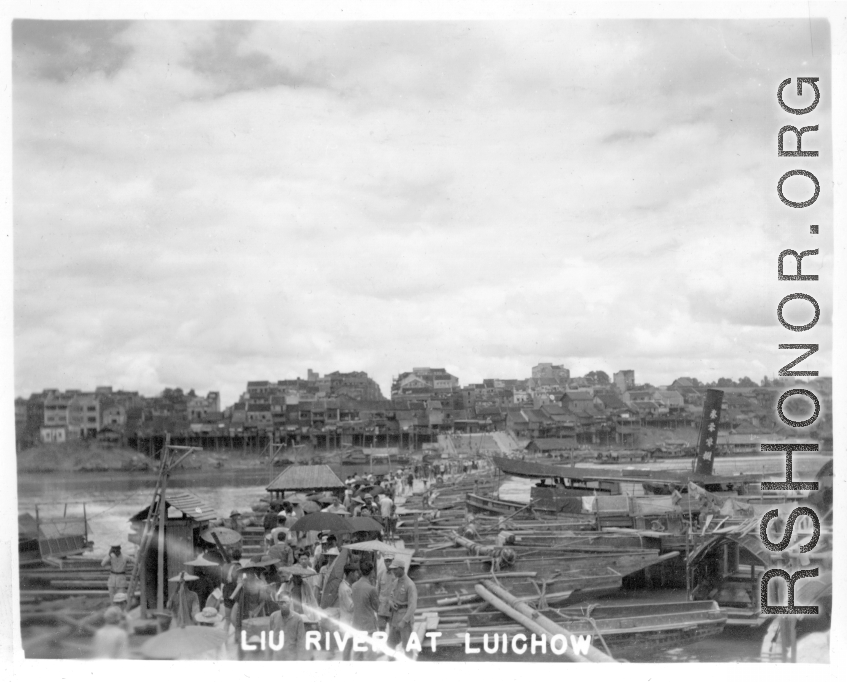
(203, 204)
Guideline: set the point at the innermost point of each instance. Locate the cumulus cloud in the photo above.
(202, 204)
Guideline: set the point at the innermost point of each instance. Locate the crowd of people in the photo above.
(302, 581)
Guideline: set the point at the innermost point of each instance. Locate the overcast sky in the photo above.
(203, 204)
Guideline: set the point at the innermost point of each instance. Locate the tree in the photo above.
(766, 382)
(598, 377)
(747, 382)
(724, 382)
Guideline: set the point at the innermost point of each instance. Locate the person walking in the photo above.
(116, 563)
(287, 626)
(403, 604)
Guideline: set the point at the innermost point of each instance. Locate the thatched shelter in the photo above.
(306, 478)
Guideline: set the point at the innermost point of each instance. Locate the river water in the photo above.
(111, 498)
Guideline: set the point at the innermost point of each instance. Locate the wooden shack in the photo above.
(306, 478)
(188, 516)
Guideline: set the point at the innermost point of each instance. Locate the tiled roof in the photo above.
(578, 395)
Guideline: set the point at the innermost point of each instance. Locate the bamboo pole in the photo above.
(475, 577)
(526, 621)
(163, 519)
(508, 600)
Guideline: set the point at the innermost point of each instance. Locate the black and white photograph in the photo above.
(355, 336)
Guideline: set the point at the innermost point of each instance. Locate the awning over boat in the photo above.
(186, 502)
(752, 543)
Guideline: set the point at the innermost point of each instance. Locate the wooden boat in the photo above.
(632, 631)
(554, 581)
(544, 563)
(540, 470)
(480, 504)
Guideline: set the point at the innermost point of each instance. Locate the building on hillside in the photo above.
(634, 398)
(575, 401)
(84, 414)
(546, 372)
(259, 416)
(609, 402)
(56, 408)
(58, 433)
(198, 407)
(355, 385)
(624, 380)
(114, 416)
(670, 399)
(435, 379)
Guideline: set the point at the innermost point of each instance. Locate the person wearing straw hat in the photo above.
(117, 571)
(120, 600)
(288, 626)
(302, 593)
(111, 640)
(235, 521)
(208, 573)
(184, 603)
(208, 617)
(403, 604)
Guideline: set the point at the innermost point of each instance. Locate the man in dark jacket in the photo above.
(365, 605)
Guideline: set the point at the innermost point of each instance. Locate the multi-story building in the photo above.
(83, 414)
(198, 407)
(624, 380)
(436, 379)
(56, 408)
(114, 416)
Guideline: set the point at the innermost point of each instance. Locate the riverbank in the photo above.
(91, 456)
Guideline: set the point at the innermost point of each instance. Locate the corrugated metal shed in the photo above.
(302, 477)
(188, 503)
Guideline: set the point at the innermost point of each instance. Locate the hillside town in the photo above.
(348, 409)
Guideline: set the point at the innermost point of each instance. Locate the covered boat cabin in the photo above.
(187, 517)
(728, 569)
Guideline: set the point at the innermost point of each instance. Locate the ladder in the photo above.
(147, 533)
(154, 515)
